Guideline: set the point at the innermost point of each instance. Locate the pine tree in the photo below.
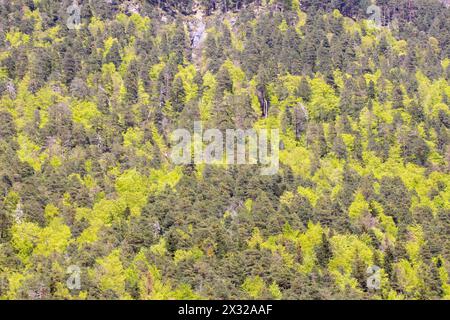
(304, 90)
(177, 96)
(324, 253)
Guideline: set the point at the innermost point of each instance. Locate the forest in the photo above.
(93, 208)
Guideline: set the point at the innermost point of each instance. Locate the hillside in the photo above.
(92, 205)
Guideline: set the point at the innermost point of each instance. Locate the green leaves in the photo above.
(254, 287)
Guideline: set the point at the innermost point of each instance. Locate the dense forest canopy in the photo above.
(92, 207)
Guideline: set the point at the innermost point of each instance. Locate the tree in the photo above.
(415, 149)
(70, 67)
(177, 96)
(131, 82)
(324, 253)
(113, 55)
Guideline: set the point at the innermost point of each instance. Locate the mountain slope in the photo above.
(88, 186)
